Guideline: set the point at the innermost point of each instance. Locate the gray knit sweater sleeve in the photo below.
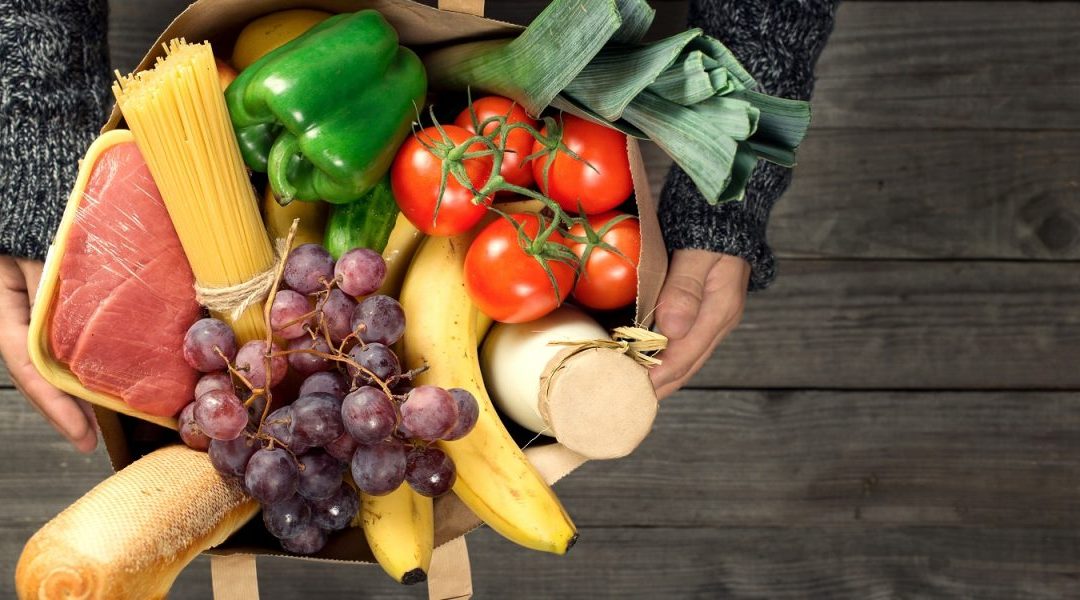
(779, 42)
(53, 87)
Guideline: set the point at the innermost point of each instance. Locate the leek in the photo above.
(688, 93)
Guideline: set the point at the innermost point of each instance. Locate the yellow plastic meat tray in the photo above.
(50, 368)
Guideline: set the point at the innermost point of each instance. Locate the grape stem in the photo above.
(279, 270)
(236, 373)
(339, 357)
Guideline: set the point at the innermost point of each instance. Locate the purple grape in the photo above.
(287, 314)
(309, 540)
(337, 312)
(342, 447)
(468, 411)
(305, 363)
(189, 429)
(320, 475)
(201, 340)
(277, 426)
(430, 472)
(308, 269)
(329, 382)
(255, 410)
(316, 420)
(379, 319)
(220, 414)
(360, 271)
(286, 518)
(250, 363)
(369, 415)
(429, 412)
(231, 457)
(336, 511)
(379, 469)
(218, 380)
(378, 359)
(271, 475)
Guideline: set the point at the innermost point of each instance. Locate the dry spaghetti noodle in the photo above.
(178, 116)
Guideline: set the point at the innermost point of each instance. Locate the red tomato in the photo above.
(604, 185)
(507, 283)
(415, 177)
(518, 144)
(608, 280)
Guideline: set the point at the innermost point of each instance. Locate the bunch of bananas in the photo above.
(494, 478)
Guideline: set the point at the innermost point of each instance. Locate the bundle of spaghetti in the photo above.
(178, 116)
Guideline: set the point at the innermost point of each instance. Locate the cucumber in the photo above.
(366, 223)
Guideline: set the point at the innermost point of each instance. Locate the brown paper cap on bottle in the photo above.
(598, 402)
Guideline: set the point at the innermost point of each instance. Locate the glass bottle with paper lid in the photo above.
(557, 376)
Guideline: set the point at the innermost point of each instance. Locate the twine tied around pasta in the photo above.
(638, 343)
(233, 300)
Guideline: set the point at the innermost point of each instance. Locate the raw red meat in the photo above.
(125, 296)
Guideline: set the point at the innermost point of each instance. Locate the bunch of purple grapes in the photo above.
(354, 412)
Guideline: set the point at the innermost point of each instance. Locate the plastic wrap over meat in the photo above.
(125, 295)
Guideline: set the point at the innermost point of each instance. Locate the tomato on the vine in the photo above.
(509, 284)
(518, 144)
(417, 172)
(607, 280)
(599, 181)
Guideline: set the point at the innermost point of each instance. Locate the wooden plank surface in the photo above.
(952, 65)
(915, 194)
(907, 325)
(772, 563)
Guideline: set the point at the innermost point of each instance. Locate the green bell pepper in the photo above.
(324, 114)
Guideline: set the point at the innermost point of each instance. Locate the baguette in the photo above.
(132, 534)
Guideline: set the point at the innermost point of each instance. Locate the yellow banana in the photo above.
(404, 239)
(400, 528)
(494, 479)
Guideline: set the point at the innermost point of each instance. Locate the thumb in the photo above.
(680, 298)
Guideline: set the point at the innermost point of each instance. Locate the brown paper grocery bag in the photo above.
(233, 564)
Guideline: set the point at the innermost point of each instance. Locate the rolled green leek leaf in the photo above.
(619, 73)
(637, 16)
(535, 66)
(702, 138)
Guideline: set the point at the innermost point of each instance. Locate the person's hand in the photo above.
(701, 302)
(73, 418)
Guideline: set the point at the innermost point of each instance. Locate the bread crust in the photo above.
(130, 536)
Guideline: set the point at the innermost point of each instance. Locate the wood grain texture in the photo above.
(729, 563)
(951, 65)
(706, 564)
(907, 325)
(914, 194)
(843, 459)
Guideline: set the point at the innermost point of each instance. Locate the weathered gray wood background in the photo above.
(896, 418)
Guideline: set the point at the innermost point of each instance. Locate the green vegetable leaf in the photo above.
(619, 73)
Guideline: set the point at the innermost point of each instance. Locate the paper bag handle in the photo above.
(233, 577)
(469, 7)
(450, 576)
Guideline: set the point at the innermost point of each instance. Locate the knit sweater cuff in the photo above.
(53, 91)
(734, 228)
